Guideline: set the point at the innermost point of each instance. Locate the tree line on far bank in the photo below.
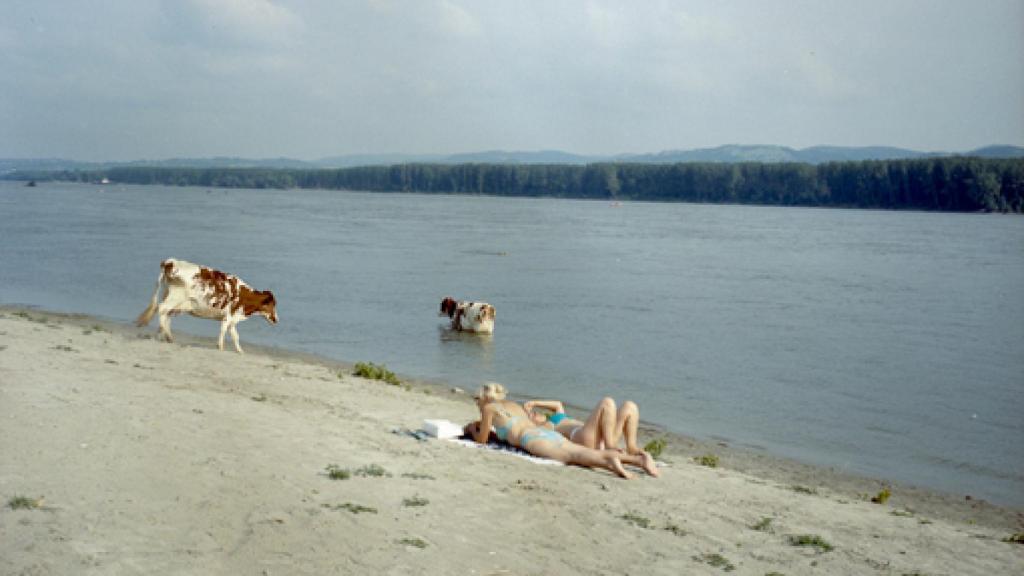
(963, 184)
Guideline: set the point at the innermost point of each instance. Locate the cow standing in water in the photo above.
(206, 293)
(469, 316)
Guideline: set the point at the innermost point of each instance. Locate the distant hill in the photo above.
(721, 154)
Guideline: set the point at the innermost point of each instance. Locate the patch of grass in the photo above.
(24, 503)
(1017, 538)
(637, 520)
(417, 476)
(709, 460)
(803, 489)
(335, 472)
(372, 470)
(774, 574)
(811, 540)
(376, 372)
(353, 508)
(882, 497)
(673, 528)
(415, 501)
(64, 348)
(764, 525)
(716, 561)
(415, 542)
(655, 447)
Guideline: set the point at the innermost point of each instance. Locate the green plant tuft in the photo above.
(374, 470)
(24, 503)
(416, 542)
(764, 525)
(415, 501)
(376, 372)
(882, 496)
(812, 540)
(716, 560)
(353, 508)
(709, 460)
(655, 447)
(335, 472)
(803, 489)
(637, 520)
(1017, 538)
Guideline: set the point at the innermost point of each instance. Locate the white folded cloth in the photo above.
(442, 428)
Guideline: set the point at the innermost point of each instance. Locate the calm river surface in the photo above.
(889, 344)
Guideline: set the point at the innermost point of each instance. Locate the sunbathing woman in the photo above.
(513, 425)
(605, 426)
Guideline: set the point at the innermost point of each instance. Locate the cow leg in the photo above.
(223, 330)
(165, 326)
(234, 336)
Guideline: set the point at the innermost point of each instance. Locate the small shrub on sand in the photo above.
(372, 470)
(655, 447)
(764, 525)
(24, 503)
(335, 472)
(716, 560)
(1017, 538)
(709, 460)
(376, 372)
(415, 501)
(803, 489)
(637, 520)
(812, 540)
(415, 542)
(675, 529)
(353, 508)
(882, 497)
(417, 476)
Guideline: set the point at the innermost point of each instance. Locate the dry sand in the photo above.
(152, 458)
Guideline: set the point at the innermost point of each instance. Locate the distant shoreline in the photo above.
(776, 468)
(946, 184)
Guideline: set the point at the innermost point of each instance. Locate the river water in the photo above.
(888, 344)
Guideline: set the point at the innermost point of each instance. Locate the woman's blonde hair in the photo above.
(491, 391)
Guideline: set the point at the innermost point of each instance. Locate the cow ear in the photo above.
(268, 297)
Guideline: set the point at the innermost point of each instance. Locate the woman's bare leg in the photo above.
(627, 424)
(575, 454)
(600, 426)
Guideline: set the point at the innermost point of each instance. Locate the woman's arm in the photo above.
(554, 405)
(483, 426)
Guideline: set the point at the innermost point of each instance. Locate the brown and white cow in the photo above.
(469, 316)
(206, 293)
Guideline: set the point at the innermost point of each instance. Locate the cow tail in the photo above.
(147, 314)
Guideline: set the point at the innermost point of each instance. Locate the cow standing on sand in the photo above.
(206, 293)
(469, 316)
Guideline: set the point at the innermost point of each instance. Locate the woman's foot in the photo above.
(649, 465)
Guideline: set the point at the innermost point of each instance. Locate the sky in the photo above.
(307, 79)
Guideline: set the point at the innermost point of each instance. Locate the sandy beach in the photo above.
(123, 455)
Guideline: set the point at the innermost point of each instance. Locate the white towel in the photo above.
(507, 449)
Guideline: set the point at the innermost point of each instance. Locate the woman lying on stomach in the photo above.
(513, 425)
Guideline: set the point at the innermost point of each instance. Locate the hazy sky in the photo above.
(134, 79)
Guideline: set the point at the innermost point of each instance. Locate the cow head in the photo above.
(448, 307)
(268, 306)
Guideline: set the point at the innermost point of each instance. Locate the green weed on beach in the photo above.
(376, 372)
(709, 460)
(810, 540)
(717, 561)
(655, 447)
(24, 503)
